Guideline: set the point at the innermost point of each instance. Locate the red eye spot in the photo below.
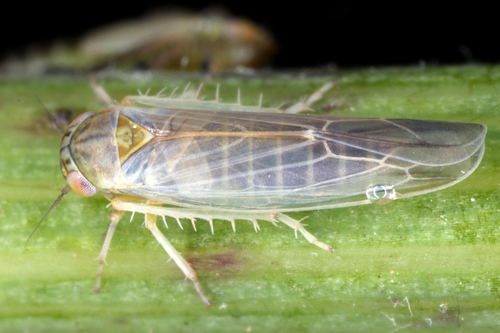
(80, 185)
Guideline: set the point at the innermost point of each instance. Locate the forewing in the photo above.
(280, 162)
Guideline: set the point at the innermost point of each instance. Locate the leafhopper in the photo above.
(186, 158)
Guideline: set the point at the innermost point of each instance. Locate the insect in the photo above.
(185, 158)
(180, 40)
(161, 40)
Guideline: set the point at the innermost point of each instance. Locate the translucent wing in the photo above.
(281, 162)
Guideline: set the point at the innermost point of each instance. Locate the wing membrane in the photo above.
(282, 162)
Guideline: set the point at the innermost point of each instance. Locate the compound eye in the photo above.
(80, 185)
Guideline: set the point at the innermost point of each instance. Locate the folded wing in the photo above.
(280, 162)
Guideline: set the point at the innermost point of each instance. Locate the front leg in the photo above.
(116, 216)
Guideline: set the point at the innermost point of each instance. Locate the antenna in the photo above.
(64, 191)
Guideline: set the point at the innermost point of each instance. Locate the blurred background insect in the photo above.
(163, 40)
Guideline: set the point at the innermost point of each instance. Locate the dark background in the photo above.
(342, 33)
